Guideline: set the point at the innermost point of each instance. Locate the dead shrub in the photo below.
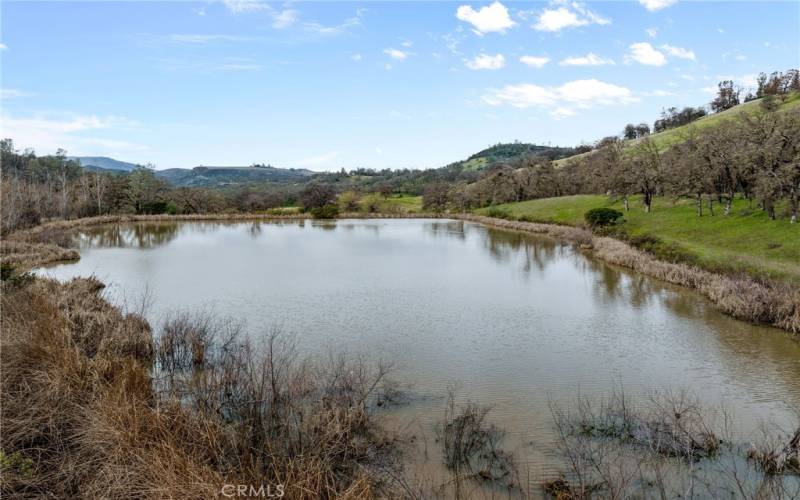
(471, 445)
(99, 410)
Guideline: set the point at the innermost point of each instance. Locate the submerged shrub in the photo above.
(602, 216)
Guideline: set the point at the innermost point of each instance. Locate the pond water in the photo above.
(513, 320)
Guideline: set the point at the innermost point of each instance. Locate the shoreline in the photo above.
(742, 297)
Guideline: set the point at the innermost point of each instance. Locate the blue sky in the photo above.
(325, 85)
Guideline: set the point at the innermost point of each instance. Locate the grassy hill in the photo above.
(675, 135)
(507, 152)
(747, 240)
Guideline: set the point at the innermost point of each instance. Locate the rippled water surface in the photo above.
(512, 320)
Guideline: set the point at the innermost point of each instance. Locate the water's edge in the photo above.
(744, 298)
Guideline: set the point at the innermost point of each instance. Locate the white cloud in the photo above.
(285, 18)
(338, 29)
(678, 52)
(3, 46)
(492, 18)
(562, 101)
(239, 6)
(534, 61)
(396, 54)
(651, 32)
(653, 5)
(406, 43)
(576, 15)
(316, 161)
(485, 61)
(589, 59)
(46, 135)
(644, 53)
(356, 57)
(12, 93)
(378, 150)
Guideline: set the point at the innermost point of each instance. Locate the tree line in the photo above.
(755, 156)
(34, 188)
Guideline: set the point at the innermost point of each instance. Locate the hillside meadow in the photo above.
(744, 241)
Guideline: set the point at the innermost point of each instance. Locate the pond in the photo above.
(512, 320)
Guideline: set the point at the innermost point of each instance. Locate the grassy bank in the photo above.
(744, 241)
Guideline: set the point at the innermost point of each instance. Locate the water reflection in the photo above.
(137, 235)
(513, 318)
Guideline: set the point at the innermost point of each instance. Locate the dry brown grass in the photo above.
(745, 298)
(91, 403)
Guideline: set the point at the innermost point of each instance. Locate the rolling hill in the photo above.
(216, 176)
(507, 152)
(104, 163)
(672, 136)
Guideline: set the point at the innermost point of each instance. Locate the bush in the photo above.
(325, 212)
(498, 213)
(602, 216)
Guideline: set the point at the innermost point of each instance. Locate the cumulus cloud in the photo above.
(678, 52)
(644, 53)
(575, 15)
(534, 61)
(396, 54)
(285, 18)
(653, 5)
(589, 59)
(563, 100)
(493, 18)
(3, 46)
(485, 61)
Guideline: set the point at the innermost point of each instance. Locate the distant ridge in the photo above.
(104, 162)
(208, 176)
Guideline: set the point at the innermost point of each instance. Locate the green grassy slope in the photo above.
(745, 241)
(672, 136)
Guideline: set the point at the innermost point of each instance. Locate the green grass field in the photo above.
(675, 135)
(744, 241)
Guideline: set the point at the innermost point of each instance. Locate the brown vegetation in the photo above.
(94, 408)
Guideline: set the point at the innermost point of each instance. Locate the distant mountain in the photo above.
(224, 176)
(104, 163)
